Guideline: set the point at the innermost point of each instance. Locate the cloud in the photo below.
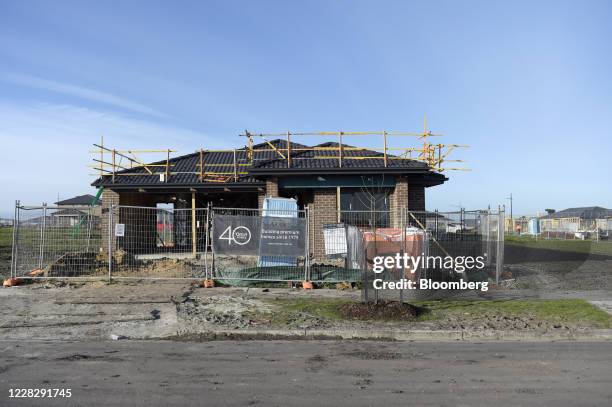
(46, 148)
(81, 92)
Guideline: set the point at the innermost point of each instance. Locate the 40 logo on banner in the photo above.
(235, 235)
(239, 235)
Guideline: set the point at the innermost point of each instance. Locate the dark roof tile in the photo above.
(303, 157)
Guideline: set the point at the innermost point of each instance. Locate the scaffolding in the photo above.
(111, 163)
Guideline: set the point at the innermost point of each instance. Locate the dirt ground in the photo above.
(561, 275)
(147, 310)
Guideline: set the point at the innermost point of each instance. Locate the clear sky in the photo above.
(528, 85)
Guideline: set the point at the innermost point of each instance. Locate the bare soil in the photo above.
(561, 275)
(383, 310)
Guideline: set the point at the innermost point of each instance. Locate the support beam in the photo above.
(385, 147)
(288, 150)
(167, 166)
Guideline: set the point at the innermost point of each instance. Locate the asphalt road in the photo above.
(309, 373)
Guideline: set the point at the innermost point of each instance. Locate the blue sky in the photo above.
(526, 84)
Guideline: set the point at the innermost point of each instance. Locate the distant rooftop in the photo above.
(78, 200)
(587, 212)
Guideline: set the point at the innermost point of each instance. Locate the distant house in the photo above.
(574, 220)
(85, 204)
(80, 200)
(70, 212)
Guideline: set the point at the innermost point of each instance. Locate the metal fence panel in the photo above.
(344, 243)
(57, 242)
(447, 235)
(325, 246)
(258, 245)
(150, 242)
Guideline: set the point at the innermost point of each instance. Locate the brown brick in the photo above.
(272, 187)
(322, 211)
(398, 201)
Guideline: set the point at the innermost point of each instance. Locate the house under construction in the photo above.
(329, 178)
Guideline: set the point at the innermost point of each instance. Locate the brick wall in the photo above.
(271, 192)
(272, 187)
(398, 200)
(323, 210)
(261, 195)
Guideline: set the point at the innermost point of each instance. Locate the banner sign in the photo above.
(236, 234)
(256, 235)
(282, 236)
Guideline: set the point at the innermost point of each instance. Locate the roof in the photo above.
(78, 200)
(68, 212)
(587, 212)
(266, 162)
(314, 159)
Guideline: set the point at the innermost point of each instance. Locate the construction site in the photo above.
(277, 209)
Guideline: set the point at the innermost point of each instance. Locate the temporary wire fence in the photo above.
(569, 228)
(52, 241)
(239, 246)
(259, 245)
(451, 246)
(158, 243)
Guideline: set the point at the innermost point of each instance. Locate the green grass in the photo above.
(578, 246)
(285, 309)
(570, 311)
(6, 237)
(6, 241)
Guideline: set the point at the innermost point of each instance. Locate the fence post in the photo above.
(403, 249)
(500, 244)
(307, 275)
(42, 236)
(110, 242)
(488, 236)
(15, 242)
(89, 226)
(207, 231)
(212, 245)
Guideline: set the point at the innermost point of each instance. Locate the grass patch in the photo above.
(572, 312)
(6, 243)
(577, 246)
(6, 236)
(287, 309)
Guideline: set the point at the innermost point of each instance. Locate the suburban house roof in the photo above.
(78, 200)
(312, 159)
(266, 162)
(587, 212)
(68, 212)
